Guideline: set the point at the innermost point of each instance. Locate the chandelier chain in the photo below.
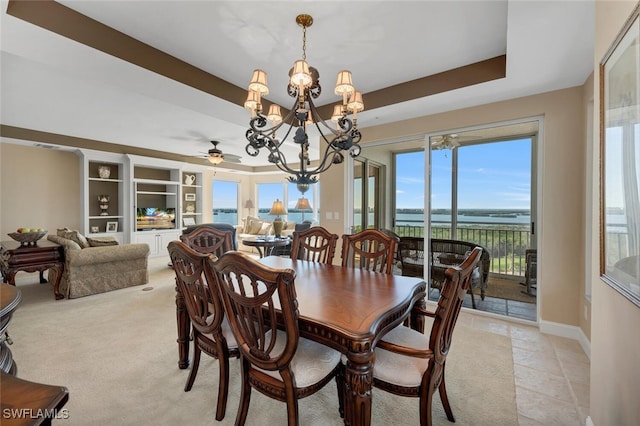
(304, 43)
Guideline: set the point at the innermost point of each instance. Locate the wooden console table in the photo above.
(38, 258)
(10, 298)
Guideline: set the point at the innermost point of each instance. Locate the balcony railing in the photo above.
(506, 243)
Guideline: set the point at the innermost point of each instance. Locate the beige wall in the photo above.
(40, 188)
(615, 325)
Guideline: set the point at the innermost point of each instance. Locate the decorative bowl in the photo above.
(27, 238)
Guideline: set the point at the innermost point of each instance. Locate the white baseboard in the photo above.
(568, 331)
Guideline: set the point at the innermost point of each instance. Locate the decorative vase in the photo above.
(104, 204)
(104, 172)
(189, 179)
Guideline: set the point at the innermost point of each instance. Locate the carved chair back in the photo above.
(314, 244)
(208, 240)
(369, 249)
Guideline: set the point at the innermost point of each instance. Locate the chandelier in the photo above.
(304, 87)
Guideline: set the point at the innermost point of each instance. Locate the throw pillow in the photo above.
(61, 232)
(265, 229)
(77, 237)
(94, 242)
(255, 227)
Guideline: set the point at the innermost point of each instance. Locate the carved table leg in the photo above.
(184, 324)
(56, 286)
(43, 280)
(417, 321)
(357, 392)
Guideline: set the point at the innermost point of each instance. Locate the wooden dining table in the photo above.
(347, 309)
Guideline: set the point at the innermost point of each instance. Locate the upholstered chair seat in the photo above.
(311, 363)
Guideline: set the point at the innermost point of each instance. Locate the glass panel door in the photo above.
(367, 198)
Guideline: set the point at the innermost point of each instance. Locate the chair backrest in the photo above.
(315, 244)
(303, 226)
(369, 249)
(456, 284)
(197, 287)
(207, 240)
(411, 254)
(251, 293)
(458, 247)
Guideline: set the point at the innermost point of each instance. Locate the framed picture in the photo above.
(189, 196)
(188, 221)
(95, 229)
(112, 226)
(620, 162)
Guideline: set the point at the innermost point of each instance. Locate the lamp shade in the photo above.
(337, 113)
(344, 83)
(274, 114)
(278, 208)
(258, 82)
(248, 204)
(355, 102)
(300, 74)
(252, 100)
(303, 204)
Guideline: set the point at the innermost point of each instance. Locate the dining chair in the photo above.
(208, 240)
(410, 363)
(369, 249)
(315, 244)
(262, 309)
(411, 254)
(210, 331)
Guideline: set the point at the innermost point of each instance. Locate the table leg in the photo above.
(260, 252)
(417, 321)
(357, 392)
(56, 286)
(184, 325)
(43, 280)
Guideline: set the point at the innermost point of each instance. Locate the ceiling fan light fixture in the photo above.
(215, 159)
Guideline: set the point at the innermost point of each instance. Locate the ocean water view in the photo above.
(409, 217)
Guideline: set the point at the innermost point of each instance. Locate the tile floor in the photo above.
(509, 308)
(551, 373)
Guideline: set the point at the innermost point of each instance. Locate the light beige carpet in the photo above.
(117, 354)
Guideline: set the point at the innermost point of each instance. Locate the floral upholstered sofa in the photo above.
(98, 265)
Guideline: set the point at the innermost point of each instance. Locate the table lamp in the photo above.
(248, 205)
(302, 205)
(277, 209)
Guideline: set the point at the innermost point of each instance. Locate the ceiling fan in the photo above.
(444, 141)
(215, 156)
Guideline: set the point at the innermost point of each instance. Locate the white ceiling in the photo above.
(53, 84)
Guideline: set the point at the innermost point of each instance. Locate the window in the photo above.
(267, 194)
(225, 202)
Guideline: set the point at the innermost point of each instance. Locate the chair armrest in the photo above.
(422, 311)
(403, 350)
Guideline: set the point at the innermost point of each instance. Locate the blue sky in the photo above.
(491, 176)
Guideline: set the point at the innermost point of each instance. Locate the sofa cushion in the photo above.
(97, 242)
(75, 236)
(254, 227)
